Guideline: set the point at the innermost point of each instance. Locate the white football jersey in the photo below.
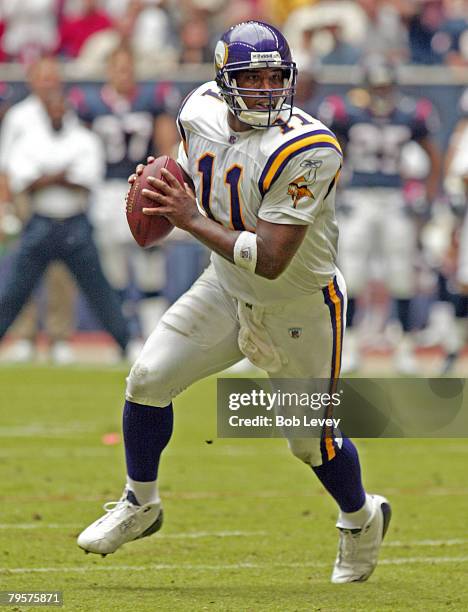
(284, 174)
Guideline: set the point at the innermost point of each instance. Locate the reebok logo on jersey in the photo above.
(311, 166)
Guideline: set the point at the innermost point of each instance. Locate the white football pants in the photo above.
(373, 223)
(203, 332)
(120, 255)
(462, 269)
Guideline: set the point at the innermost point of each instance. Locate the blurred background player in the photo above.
(132, 121)
(43, 77)
(58, 164)
(454, 283)
(375, 125)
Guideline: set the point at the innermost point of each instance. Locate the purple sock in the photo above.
(147, 431)
(341, 476)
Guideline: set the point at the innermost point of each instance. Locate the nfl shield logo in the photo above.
(295, 332)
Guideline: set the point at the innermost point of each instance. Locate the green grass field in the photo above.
(248, 527)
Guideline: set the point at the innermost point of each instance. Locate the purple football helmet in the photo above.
(253, 45)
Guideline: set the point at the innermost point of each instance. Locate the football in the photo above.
(148, 230)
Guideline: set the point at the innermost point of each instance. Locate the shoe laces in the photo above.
(117, 506)
(121, 513)
(349, 544)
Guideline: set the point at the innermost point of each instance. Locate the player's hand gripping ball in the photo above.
(149, 230)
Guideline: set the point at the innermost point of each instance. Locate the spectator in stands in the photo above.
(59, 164)
(333, 30)
(235, 12)
(3, 56)
(455, 27)
(145, 26)
(340, 51)
(148, 27)
(76, 29)
(195, 40)
(281, 10)
(43, 77)
(387, 33)
(30, 28)
(438, 33)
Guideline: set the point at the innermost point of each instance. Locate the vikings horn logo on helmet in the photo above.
(221, 54)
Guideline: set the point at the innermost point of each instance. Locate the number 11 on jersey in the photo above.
(231, 179)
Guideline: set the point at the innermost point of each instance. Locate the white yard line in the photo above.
(39, 430)
(229, 534)
(212, 534)
(38, 525)
(306, 496)
(214, 567)
(190, 535)
(454, 542)
(56, 453)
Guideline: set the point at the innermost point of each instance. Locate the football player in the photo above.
(265, 175)
(374, 125)
(456, 183)
(132, 121)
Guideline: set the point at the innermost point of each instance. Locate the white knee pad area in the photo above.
(151, 386)
(306, 450)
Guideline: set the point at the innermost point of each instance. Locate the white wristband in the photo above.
(245, 251)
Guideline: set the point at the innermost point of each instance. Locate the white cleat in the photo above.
(405, 363)
(358, 549)
(404, 359)
(123, 522)
(351, 362)
(351, 357)
(62, 353)
(22, 351)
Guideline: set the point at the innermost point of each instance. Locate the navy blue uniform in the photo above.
(125, 127)
(374, 144)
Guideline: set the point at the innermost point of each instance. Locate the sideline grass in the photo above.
(247, 526)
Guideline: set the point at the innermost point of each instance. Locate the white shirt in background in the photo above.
(43, 151)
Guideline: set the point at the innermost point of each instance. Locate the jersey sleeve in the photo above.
(166, 98)
(182, 158)
(187, 118)
(295, 189)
